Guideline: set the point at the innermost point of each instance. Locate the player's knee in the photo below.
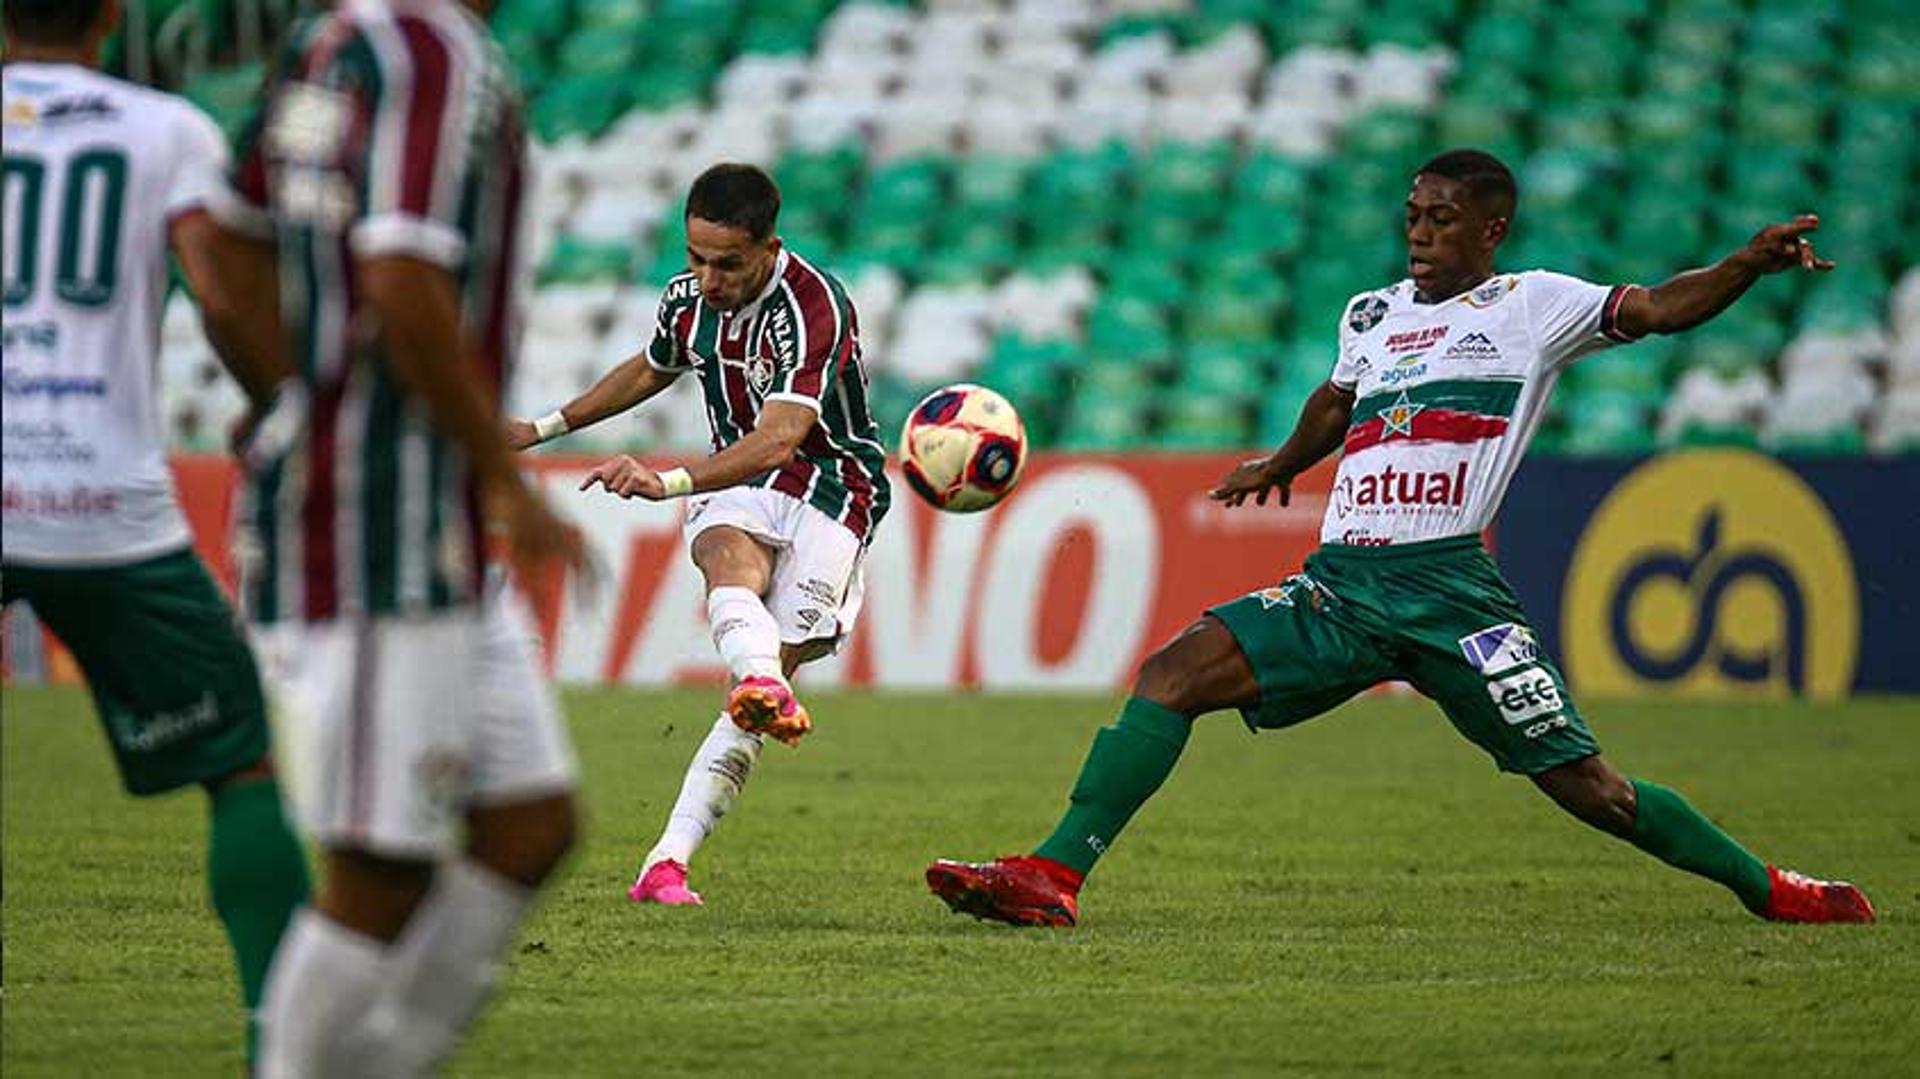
(524, 842)
(1168, 682)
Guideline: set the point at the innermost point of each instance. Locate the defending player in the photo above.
(780, 516)
(1441, 380)
(105, 177)
(387, 171)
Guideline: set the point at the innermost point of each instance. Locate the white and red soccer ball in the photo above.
(963, 448)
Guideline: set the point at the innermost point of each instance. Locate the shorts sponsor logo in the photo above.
(1524, 695)
(1545, 725)
(808, 618)
(816, 589)
(163, 729)
(1500, 648)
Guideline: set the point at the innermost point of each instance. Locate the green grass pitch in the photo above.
(1361, 894)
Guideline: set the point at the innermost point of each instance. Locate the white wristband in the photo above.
(677, 481)
(551, 425)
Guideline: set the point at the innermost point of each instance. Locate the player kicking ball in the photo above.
(105, 178)
(779, 517)
(1440, 381)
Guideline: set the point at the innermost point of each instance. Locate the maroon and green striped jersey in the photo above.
(390, 129)
(1447, 396)
(799, 341)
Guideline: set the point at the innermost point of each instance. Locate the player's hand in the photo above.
(626, 477)
(268, 430)
(1256, 477)
(521, 434)
(1785, 246)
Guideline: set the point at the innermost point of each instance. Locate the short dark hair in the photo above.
(1486, 177)
(51, 22)
(739, 196)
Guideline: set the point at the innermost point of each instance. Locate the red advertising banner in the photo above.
(1092, 562)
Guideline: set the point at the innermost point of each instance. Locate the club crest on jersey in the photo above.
(759, 374)
(1474, 346)
(1399, 415)
(1366, 313)
(1500, 648)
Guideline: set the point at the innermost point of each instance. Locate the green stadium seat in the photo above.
(1099, 421)
(1195, 421)
(1604, 423)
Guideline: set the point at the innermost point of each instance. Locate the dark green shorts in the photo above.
(1435, 614)
(171, 674)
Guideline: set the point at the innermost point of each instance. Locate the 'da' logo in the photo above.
(1712, 573)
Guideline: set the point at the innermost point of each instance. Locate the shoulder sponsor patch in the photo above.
(1490, 293)
(1500, 648)
(1366, 313)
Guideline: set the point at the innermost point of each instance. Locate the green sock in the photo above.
(257, 875)
(1127, 763)
(1666, 827)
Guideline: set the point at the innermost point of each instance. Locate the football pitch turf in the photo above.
(1361, 894)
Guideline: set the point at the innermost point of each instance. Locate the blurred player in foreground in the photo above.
(779, 518)
(106, 177)
(386, 171)
(1440, 382)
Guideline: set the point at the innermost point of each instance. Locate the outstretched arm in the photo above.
(1321, 428)
(233, 282)
(782, 426)
(618, 390)
(1688, 299)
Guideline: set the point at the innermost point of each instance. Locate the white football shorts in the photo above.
(818, 578)
(388, 729)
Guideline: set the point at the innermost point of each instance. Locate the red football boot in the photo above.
(1021, 890)
(1797, 898)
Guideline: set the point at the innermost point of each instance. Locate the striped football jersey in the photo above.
(799, 341)
(393, 128)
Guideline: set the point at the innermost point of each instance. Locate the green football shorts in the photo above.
(1435, 614)
(172, 677)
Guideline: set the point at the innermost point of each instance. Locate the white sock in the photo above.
(323, 984)
(443, 965)
(719, 769)
(744, 632)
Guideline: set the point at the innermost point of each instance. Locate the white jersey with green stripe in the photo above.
(1447, 397)
(797, 341)
(96, 172)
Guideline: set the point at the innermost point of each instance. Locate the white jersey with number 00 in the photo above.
(1447, 396)
(96, 171)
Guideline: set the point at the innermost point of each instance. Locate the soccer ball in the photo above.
(963, 448)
